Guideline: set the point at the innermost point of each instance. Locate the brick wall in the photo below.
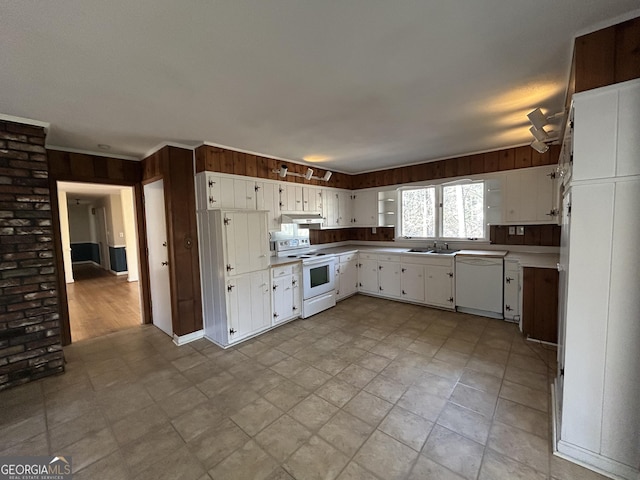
(30, 345)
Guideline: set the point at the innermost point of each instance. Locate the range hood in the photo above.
(302, 218)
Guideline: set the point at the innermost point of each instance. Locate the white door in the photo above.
(348, 277)
(389, 278)
(368, 275)
(101, 225)
(412, 282)
(439, 286)
(158, 256)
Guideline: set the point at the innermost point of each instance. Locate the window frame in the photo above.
(439, 220)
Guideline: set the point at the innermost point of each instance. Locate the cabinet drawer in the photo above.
(347, 257)
(277, 272)
(389, 258)
(369, 256)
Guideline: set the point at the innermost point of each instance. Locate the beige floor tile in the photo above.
(386, 350)
(452, 357)
(356, 375)
(345, 432)
(286, 395)
(386, 457)
(562, 469)
(537, 381)
(499, 467)
(485, 366)
(525, 395)
(283, 437)
(457, 453)
(214, 445)
(385, 388)
(435, 385)
(331, 364)
(289, 367)
(476, 400)
(373, 362)
(257, 415)
(401, 373)
(139, 423)
(444, 369)
(178, 465)
(234, 397)
(520, 445)
(427, 469)
(182, 402)
(37, 445)
(407, 427)
(481, 381)
(337, 392)
(466, 422)
(197, 420)
(316, 460)
(249, 461)
(353, 471)
(120, 401)
(313, 412)
(368, 407)
(460, 345)
(111, 467)
(422, 403)
(91, 448)
(310, 378)
(215, 384)
(523, 417)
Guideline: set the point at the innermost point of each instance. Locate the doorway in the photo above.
(100, 252)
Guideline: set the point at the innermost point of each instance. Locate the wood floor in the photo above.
(101, 303)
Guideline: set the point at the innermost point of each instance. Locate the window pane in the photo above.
(463, 211)
(419, 213)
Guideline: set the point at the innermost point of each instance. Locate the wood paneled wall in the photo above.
(507, 159)
(78, 167)
(175, 167)
(383, 234)
(215, 159)
(537, 235)
(607, 56)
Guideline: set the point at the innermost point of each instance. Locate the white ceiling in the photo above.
(86, 193)
(353, 86)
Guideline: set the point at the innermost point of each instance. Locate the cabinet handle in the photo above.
(275, 287)
(275, 315)
(381, 289)
(508, 279)
(232, 331)
(450, 274)
(379, 267)
(403, 292)
(507, 308)
(359, 284)
(294, 282)
(403, 270)
(211, 183)
(294, 308)
(164, 264)
(450, 299)
(230, 288)
(229, 267)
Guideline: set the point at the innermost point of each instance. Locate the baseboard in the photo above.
(189, 337)
(481, 313)
(599, 464)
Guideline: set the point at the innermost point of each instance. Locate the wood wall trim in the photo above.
(83, 168)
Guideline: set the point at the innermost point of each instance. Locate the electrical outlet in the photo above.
(512, 230)
(519, 230)
(373, 230)
(121, 235)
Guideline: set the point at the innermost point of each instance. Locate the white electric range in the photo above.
(318, 274)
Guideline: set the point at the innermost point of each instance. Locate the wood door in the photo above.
(158, 256)
(540, 304)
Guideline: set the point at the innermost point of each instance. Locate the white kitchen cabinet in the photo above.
(368, 273)
(312, 199)
(227, 192)
(291, 197)
(512, 289)
(412, 282)
(244, 194)
(248, 305)
(346, 278)
(345, 209)
(387, 208)
(439, 285)
(597, 391)
(268, 198)
(234, 256)
(365, 208)
(330, 207)
(389, 277)
(531, 196)
(285, 287)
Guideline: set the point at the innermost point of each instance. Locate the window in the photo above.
(443, 211)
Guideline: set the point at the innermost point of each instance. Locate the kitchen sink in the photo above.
(420, 250)
(437, 251)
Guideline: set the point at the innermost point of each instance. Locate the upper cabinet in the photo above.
(387, 208)
(365, 203)
(530, 196)
(337, 208)
(312, 199)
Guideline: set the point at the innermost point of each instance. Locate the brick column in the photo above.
(30, 345)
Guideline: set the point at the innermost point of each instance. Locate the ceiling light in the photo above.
(540, 134)
(539, 146)
(537, 118)
(308, 174)
(327, 176)
(283, 172)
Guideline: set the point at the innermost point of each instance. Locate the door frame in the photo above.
(143, 283)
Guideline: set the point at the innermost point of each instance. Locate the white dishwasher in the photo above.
(479, 285)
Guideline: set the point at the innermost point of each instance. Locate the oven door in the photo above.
(317, 277)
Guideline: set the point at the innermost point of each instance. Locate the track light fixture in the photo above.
(539, 146)
(540, 134)
(283, 172)
(539, 120)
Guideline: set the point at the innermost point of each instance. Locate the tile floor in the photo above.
(371, 389)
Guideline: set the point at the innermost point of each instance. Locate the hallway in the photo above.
(101, 303)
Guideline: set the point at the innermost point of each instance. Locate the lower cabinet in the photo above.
(286, 298)
(511, 310)
(389, 276)
(368, 273)
(346, 278)
(540, 304)
(412, 282)
(439, 285)
(248, 305)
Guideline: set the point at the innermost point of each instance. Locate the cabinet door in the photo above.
(348, 277)
(260, 301)
(511, 291)
(336, 281)
(330, 208)
(296, 282)
(291, 197)
(365, 205)
(546, 194)
(345, 210)
(312, 199)
(389, 278)
(368, 276)
(227, 193)
(239, 311)
(540, 304)
(244, 194)
(412, 282)
(214, 192)
(282, 296)
(439, 286)
(268, 198)
(247, 242)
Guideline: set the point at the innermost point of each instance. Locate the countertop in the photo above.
(538, 260)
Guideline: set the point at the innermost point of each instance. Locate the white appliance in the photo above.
(479, 285)
(318, 274)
